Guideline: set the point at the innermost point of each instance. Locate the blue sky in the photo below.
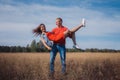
(19, 17)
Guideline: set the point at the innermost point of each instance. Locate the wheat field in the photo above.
(80, 66)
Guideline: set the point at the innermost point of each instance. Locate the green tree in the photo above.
(40, 47)
(28, 49)
(18, 49)
(33, 46)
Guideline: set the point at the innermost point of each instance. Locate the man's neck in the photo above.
(60, 26)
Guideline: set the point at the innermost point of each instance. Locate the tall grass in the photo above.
(80, 66)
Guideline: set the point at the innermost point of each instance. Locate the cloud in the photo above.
(19, 20)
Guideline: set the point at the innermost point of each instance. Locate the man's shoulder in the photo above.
(57, 29)
(65, 27)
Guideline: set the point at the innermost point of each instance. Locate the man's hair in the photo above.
(60, 19)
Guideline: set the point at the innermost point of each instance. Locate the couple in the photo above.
(55, 41)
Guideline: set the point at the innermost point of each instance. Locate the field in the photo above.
(80, 66)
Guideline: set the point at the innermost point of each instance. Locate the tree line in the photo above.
(39, 47)
(33, 47)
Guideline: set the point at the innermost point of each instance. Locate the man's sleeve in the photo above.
(53, 31)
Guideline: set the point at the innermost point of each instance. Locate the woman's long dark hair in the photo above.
(37, 30)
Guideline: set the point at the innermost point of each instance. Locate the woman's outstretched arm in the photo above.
(44, 43)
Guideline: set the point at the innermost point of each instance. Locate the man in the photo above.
(58, 46)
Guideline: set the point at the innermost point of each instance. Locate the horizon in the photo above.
(19, 17)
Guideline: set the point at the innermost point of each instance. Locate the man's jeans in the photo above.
(62, 50)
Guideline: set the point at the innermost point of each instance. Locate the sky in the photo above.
(19, 17)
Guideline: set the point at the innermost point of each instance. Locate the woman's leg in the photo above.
(66, 33)
(71, 33)
(74, 29)
(74, 41)
(73, 38)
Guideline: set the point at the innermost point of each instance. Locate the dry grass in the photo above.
(80, 66)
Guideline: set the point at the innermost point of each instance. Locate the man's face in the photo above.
(58, 22)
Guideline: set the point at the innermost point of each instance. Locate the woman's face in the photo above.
(42, 28)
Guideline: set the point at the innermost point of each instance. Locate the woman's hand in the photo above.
(49, 48)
